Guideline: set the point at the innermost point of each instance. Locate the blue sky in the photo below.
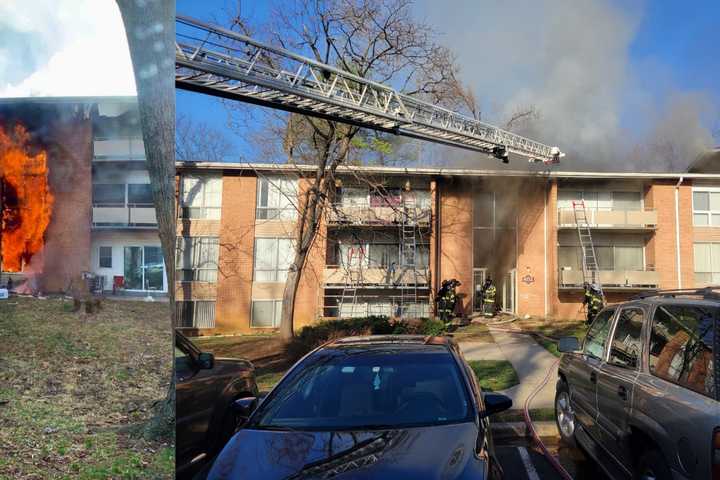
(671, 48)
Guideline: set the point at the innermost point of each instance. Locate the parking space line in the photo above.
(529, 467)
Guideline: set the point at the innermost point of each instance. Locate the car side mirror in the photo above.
(495, 403)
(568, 344)
(244, 407)
(206, 360)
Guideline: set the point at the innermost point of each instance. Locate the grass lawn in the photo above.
(494, 375)
(75, 390)
(553, 329)
(475, 332)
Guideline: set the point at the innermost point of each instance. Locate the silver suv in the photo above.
(641, 395)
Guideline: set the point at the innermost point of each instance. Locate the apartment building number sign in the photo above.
(528, 279)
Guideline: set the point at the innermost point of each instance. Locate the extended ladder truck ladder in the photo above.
(408, 255)
(591, 271)
(216, 61)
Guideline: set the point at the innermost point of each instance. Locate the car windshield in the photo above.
(361, 390)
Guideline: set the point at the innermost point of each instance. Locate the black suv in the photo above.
(641, 395)
(206, 389)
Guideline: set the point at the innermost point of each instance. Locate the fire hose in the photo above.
(526, 412)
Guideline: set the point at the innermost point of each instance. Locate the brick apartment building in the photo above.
(236, 224)
(103, 217)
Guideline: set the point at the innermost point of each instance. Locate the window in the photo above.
(387, 197)
(276, 198)
(105, 256)
(196, 259)
(354, 197)
(272, 259)
(195, 313)
(706, 208)
(108, 195)
(140, 194)
(384, 255)
(143, 268)
(597, 335)
(266, 313)
(626, 201)
(600, 200)
(681, 346)
(201, 197)
(707, 264)
(625, 347)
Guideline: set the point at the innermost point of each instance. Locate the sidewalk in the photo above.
(530, 360)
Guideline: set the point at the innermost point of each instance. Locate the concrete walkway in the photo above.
(530, 360)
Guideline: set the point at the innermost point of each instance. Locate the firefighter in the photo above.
(488, 294)
(593, 301)
(446, 299)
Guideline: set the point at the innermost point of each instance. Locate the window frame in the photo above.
(276, 261)
(195, 270)
(611, 321)
(710, 263)
(709, 213)
(280, 212)
(185, 210)
(275, 322)
(611, 336)
(100, 256)
(195, 303)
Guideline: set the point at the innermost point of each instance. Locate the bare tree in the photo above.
(199, 141)
(375, 39)
(149, 26)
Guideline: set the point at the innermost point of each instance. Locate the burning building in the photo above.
(76, 196)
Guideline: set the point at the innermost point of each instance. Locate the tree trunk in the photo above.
(150, 30)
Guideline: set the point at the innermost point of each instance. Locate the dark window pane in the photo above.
(681, 346)
(483, 209)
(109, 195)
(625, 347)
(482, 247)
(505, 211)
(597, 335)
(105, 255)
(140, 194)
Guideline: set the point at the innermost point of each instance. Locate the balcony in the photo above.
(124, 217)
(611, 219)
(375, 277)
(368, 215)
(613, 279)
(118, 150)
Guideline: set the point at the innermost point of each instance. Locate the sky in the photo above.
(52, 48)
(606, 75)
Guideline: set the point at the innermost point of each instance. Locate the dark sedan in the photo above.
(369, 407)
(206, 388)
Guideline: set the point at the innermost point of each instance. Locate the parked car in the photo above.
(641, 394)
(369, 407)
(206, 389)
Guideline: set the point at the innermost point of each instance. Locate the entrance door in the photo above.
(144, 268)
(508, 292)
(478, 281)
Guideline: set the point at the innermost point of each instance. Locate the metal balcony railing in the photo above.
(130, 216)
(619, 279)
(376, 277)
(364, 214)
(610, 218)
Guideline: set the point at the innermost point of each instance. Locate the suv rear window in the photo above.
(681, 346)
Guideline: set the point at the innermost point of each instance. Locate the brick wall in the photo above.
(531, 248)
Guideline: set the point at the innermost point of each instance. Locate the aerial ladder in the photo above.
(216, 61)
(591, 270)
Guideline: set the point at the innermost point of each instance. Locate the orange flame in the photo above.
(27, 203)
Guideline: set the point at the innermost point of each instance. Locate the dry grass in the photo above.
(74, 390)
(554, 329)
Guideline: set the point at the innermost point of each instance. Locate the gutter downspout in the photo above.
(677, 231)
(545, 253)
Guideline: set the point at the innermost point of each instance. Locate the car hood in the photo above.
(439, 452)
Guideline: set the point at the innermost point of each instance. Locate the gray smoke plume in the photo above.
(570, 61)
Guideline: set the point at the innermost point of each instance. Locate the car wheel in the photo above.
(652, 466)
(564, 414)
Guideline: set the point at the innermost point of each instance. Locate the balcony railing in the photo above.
(368, 215)
(118, 149)
(129, 216)
(376, 276)
(610, 218)
(613, 279)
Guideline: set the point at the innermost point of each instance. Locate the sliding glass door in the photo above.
(144, 268)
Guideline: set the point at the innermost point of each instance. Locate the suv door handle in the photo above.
(593, 377)
(622, 392)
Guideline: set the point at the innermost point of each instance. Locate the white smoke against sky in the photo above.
(570, 60)
(54, 48)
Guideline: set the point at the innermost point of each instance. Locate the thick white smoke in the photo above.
(570, 60)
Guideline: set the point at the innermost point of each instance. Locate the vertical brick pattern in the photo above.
(67, 239)
(456, 244)
(235, 263)
(663, 245)
(531, 248)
